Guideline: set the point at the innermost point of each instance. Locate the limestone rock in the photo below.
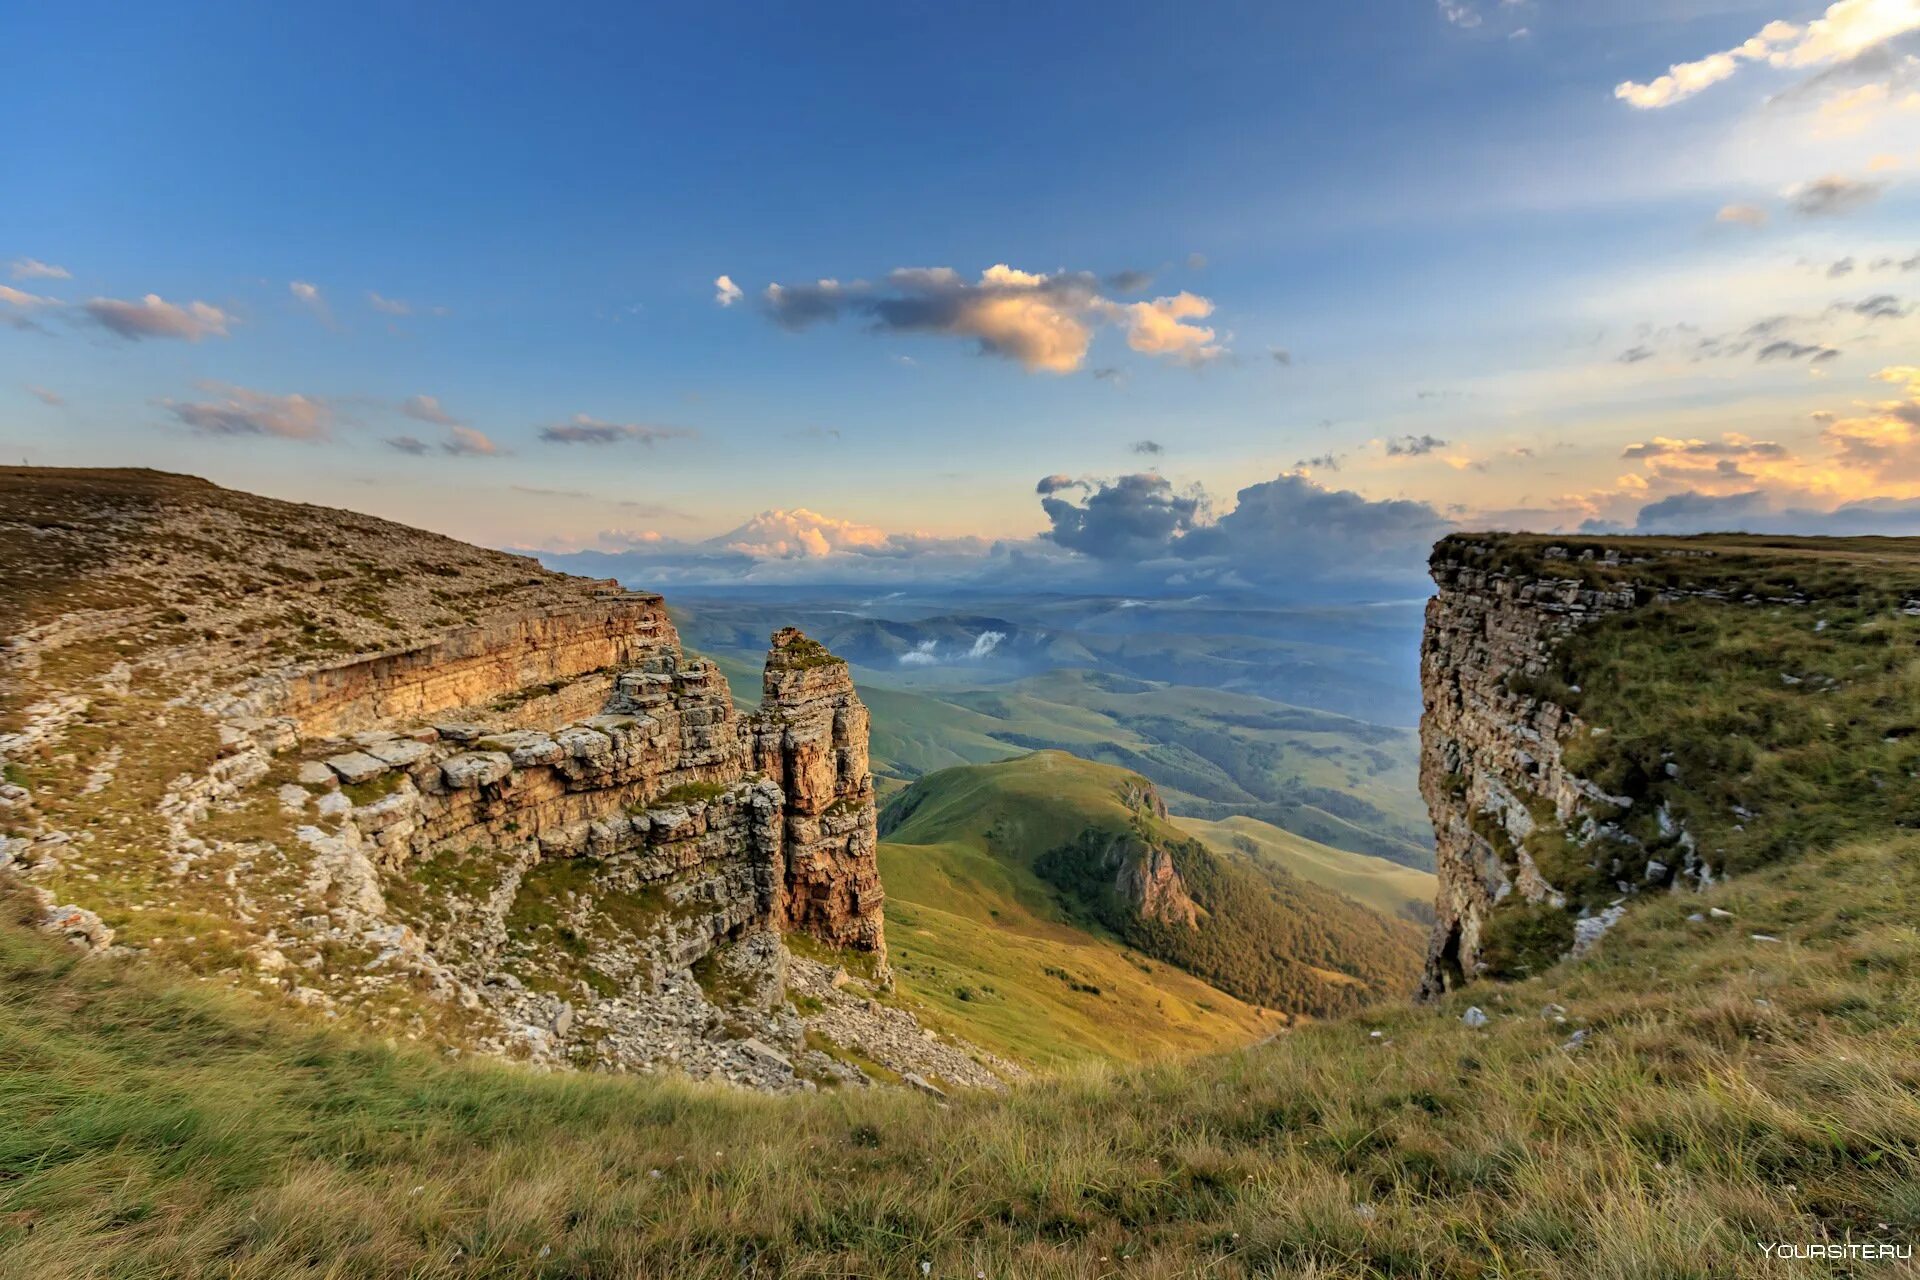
(356, 766)
(475, 769)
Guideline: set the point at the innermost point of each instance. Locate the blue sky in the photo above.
(1494, 275)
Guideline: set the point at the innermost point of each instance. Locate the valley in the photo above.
(465, 922)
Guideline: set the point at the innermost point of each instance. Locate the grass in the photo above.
(1763, 730)
(1387, 887)
(1728, 1091)
(978, 934)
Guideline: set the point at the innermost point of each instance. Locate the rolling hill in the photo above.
(1386, 887)
(1049, 846)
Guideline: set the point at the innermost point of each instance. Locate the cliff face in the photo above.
(1712, 663)
(1490, 747)
(433, 788)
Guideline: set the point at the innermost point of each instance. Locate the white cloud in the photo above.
(19, 298)
(238, 411)
(726, 292)
(388, 306)
(1162, 328)
(307, 293)
(155, 317)
(1849, 28)
(34, 269)
(801, 534)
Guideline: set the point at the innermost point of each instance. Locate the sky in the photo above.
(1137, 293)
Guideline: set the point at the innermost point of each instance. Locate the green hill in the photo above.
(1386, 887)
(1054, 838)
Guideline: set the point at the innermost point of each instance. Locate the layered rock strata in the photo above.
(1492, 737)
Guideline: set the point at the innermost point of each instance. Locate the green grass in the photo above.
(1728, 1091)
(979, 930)
(1763, 730)
(1387, 887)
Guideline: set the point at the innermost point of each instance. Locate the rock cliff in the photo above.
(435, 789)
(1606, 717)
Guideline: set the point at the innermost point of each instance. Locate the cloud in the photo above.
(409, 444)
(1840, 269)
(1046, 322)
(1136, 517)
(1324, 462)
(1832, 196)
(465, 442)
(1635, 355)
(538, 492)
(1163, 328)
(582, 429)
(1459, 13)
(1058, 483)
(388, 306)
(1130, 281)
(927, 652)
(44, 396)
(1786, 350)
(1883, 439)
(1728, 446)
(1881, 306)
(238, 411)
(155, 317)
(1848, 29)
(1280, 355)
(34, 269)
(1742, 215)
(428, 409)
(1414, 446)
(725, 291)
(21, 298)
(1151, 448)
(1755, 511)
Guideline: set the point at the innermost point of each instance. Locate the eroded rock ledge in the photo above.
(439, 792)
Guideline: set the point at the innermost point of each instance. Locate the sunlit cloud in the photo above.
(465, 442)
(239, 411)
(1849, 28)
(1044, 321)
(428, 409)
(725, 291)
(155, 317)
(21, 298)
(34, 269)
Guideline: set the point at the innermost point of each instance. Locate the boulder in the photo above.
(475, 769)
(357, 766)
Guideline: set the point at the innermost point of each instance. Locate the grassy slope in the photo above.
(1393, 890)
(958, 858)
(964, 911)
(1729, 1090)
